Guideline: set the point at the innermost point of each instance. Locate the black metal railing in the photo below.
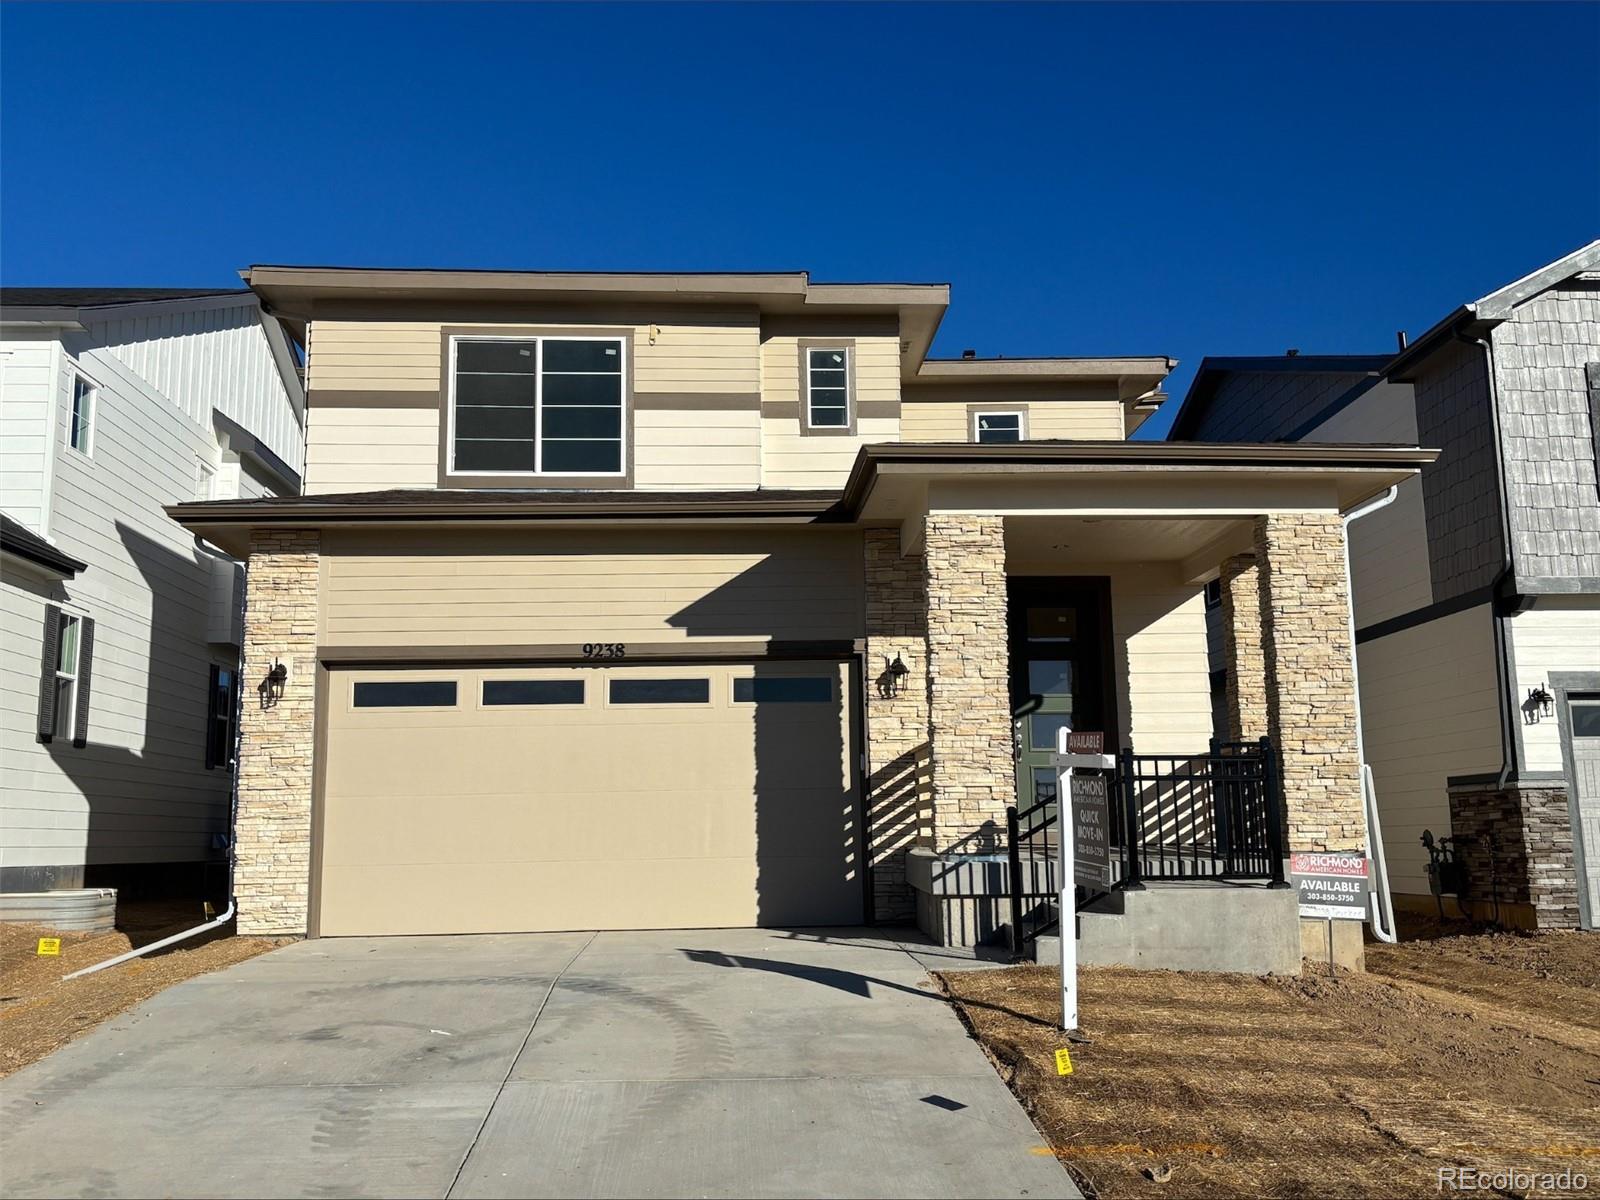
(1216, 815)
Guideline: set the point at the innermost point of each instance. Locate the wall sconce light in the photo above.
(271, 688)
(1539, 705)
(893, 680)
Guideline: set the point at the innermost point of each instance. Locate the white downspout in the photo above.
(1382, 903)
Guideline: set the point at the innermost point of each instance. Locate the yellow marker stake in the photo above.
(1063, 1062)
(50, 946)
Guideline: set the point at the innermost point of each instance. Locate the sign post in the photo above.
(1082, 808)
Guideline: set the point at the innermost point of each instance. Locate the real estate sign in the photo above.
(1091, 834)
(1330, 886)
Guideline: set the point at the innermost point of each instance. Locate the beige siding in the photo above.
(1163, 680)
(1545, 640)
(1427, 712)
(363, 448)
(1075, 420)
(1388, 549)
(951, 420)
(940, 422)
(565, 588)
(792, 459)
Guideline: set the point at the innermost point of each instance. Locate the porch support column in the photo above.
(272, 864)
(974, 774)
(897, 718)
(1311, 700)
(1241, 633)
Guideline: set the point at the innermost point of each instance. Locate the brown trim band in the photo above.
(879, 408)
(338, 398)
(780, 410)
(696, 401)
(572, 653)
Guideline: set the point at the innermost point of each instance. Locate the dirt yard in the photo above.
(39, 1013)
(1468, 1050)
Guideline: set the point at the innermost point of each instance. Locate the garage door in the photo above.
(507, 799)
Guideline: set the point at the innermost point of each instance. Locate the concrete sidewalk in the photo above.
(697, 1063)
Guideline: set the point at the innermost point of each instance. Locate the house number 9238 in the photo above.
(605, 650)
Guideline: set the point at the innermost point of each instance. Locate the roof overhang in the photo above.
(23, 546)
(299, 291)
(228, 524)
(41, 316)
(898, 483)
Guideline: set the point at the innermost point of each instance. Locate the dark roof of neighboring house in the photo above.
(16, 538)
(1212, 370)
(99, 297)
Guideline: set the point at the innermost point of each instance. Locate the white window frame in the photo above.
(538, 341)
(93, 388)
(66, 723)
(1019, 414)
(849, 392)
(205, 480)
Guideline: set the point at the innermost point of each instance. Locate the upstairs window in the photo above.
(537, 406)
(997, 427)
(80, 427)
(828, 388)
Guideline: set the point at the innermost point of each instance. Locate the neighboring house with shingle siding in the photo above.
(120, 631)
(1477, 594)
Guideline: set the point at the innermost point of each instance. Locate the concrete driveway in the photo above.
(701, 1063)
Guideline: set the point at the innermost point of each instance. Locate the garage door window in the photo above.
(532, 691)
(660, 691)
(419, 693)
(783, 690)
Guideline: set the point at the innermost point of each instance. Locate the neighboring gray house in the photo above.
(1477, 593)
(120, 632)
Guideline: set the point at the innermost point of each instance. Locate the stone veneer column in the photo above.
(969, 711)
(897, 726)
(1530, 865)
(1311, 702)
(272, 853)
(1241, 635)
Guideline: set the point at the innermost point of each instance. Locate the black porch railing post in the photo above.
(1132, 826)
(1273, 786)
(1014, 878)
(1222, 796)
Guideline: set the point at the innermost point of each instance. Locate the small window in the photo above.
(828, 388)
(1044, 727)
(222, 703)
(1214, 594)
(997, 427)
(783, 689)
(532, 691)
(1585, 718)
(66, 710)
(80, 431)
(660, 691)
(205, 481)
(1050, 677)
(421, 693)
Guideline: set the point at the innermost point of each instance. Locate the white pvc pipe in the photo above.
(224, 918)
(1382, 902)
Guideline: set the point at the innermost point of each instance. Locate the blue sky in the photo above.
(1100, 179)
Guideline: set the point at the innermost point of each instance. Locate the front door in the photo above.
(1060, 643)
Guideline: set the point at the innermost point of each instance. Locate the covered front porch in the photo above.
(1029, 588)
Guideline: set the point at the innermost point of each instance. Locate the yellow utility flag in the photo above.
(50, 946)
(1063, 1062)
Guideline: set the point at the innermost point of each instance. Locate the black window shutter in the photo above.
(212, 750)
(47, 672)
(80, 726)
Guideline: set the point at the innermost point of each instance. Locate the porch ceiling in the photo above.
(1055, 545)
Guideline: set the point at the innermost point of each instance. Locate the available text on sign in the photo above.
(1330, 886)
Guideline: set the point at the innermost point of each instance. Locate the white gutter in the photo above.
(1382, 902)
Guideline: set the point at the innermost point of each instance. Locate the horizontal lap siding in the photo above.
(1163, 678)
(1075, 420)
(1544, 641)
(373, 447)
(790, 459)
(1428, 712)
(27, 408)
(567, 588)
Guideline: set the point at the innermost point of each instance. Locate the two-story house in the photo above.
(121, 633)
(1477, 592)
(620, 601)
